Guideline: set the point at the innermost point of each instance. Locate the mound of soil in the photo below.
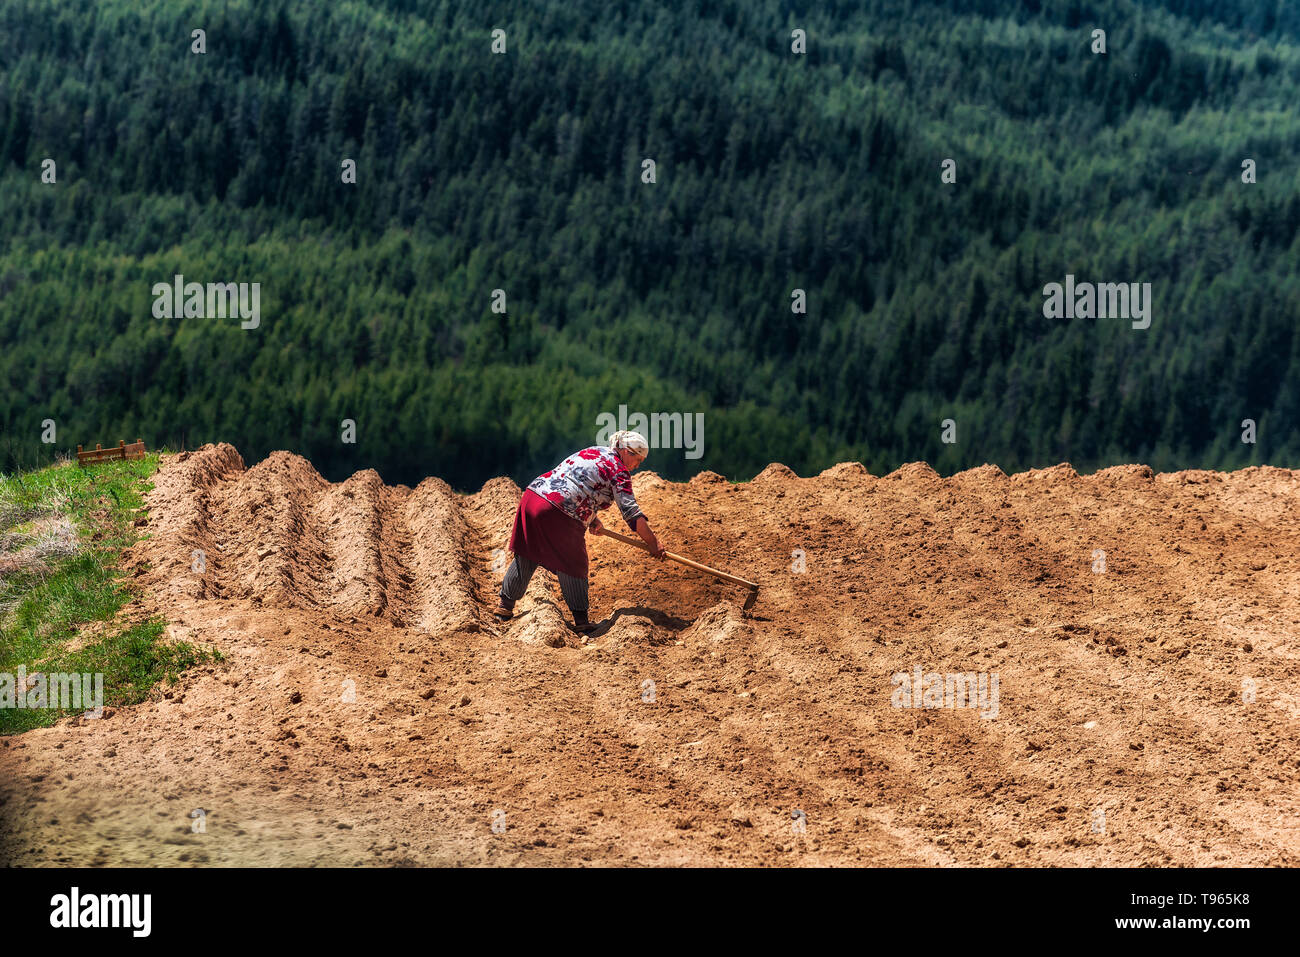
(724, 622)
(986, 474)
(914, 472)
(845, 470)
(1135, 636)
(707, 478)
(776, 473)
(1055, 475)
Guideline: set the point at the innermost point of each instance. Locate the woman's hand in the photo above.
(595, 528)
(648, 536)
(656, 550)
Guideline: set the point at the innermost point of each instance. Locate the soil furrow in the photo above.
(371, 711)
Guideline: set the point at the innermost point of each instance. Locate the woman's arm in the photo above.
(626, 501)
(648, 536)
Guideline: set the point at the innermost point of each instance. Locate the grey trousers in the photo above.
(520, 573)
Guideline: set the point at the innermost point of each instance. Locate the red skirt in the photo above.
(545, 535)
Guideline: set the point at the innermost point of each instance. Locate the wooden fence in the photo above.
(123, 451)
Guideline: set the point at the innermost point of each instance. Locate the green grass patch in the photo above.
(62, 530)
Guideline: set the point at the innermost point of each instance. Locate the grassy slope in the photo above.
(62, 529)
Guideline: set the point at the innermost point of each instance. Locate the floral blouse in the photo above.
(588, 481)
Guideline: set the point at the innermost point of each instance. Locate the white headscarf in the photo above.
(630, 440)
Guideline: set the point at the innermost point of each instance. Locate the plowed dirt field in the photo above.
(371, 711)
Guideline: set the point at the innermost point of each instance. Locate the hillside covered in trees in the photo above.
(774, 171)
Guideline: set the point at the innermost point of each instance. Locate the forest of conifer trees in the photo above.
(774, 171)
